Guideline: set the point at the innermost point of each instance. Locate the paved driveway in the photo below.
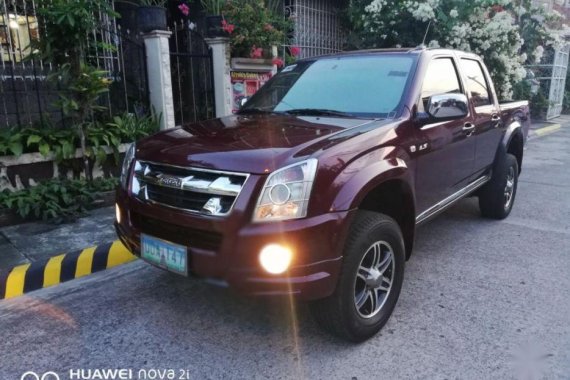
(481, 300)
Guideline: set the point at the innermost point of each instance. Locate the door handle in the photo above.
(495, 118)
(469, 128)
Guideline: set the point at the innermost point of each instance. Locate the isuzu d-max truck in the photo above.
(316, 187)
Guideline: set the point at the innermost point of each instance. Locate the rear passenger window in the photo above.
(476, 83)
(441, 78)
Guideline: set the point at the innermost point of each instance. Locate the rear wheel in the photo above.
(497, 197)
(370, 281)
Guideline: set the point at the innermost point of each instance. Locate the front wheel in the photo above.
(370, 281)
(497, 197)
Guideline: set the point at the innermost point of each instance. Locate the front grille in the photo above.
(202, 191)
(189, 237)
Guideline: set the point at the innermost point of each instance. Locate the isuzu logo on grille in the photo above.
(170, 181)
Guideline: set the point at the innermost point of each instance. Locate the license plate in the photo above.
(166, 255)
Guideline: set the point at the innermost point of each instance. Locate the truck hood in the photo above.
(254, 144)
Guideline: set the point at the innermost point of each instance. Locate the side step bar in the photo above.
(447, 202)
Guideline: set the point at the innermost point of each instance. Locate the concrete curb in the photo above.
(55, 270)
(544, 131)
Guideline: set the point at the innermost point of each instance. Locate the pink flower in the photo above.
(256, 52)
(295, 51)
(228, 28)
(184, 9)
(278, 62)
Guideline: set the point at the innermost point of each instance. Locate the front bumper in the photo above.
(226, 250)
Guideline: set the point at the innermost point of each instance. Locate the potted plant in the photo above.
(214, 18)
(151, 15)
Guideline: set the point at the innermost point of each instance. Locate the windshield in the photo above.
(359, 86)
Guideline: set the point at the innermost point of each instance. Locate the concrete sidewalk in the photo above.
(30, 242)
(542, 128)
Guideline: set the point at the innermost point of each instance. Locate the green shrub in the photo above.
(11, 141)
(57, 199)
(48, 139)
(257, 27)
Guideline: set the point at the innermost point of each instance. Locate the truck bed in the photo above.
(517, 110)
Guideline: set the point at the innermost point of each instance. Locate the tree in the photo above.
(508, 34)
(68, 30)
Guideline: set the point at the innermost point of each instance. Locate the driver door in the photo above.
(446, 150)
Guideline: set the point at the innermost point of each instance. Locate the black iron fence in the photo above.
(192, 79)
(27, 97)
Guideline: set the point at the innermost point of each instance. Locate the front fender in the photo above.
(361, 176)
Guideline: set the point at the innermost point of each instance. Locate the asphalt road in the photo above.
(481, 300)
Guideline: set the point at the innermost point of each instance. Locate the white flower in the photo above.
(433, 44)
(521, 73)
(423, 11)
(538, 53)
(375, 6)
(453, 13)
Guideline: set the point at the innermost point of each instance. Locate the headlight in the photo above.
(286, 193)
(128, 160)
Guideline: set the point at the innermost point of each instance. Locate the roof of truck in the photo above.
(415, 50)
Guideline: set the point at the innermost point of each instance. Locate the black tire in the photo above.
(338, 313)
(493, 200)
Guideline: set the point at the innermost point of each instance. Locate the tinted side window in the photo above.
(441, 78)
(476, 82)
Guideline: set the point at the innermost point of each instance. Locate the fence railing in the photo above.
(27, 97)
(317, 26)
(192, 79)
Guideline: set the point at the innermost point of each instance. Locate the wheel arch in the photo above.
(516, 147)
(394, 197)
(513, 143)
(383, 186)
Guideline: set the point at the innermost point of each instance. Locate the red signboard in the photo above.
(245, 84)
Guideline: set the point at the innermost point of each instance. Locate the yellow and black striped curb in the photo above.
(544, 130)
(55, 270)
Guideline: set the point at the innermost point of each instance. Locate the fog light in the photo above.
(275, 258)
(118, 213)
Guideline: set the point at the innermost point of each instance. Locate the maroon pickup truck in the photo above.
(315, 188)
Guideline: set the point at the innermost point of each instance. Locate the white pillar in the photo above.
(221, 70)
(159, 77)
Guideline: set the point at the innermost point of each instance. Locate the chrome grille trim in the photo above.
(187, 188)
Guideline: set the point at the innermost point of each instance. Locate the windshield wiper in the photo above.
(318, 112)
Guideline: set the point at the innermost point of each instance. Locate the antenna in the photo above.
(425, 35)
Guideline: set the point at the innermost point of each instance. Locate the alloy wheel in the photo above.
(509, 187)
(374, 279)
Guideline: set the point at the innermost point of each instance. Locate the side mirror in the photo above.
(242, 101)
(447, 107)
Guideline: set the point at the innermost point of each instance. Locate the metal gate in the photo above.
(557, 82)
(551, 77)
(192, 79)
(317, 26)
(28, 98)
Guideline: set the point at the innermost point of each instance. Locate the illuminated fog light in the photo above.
(118, 213)
(275, 258)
